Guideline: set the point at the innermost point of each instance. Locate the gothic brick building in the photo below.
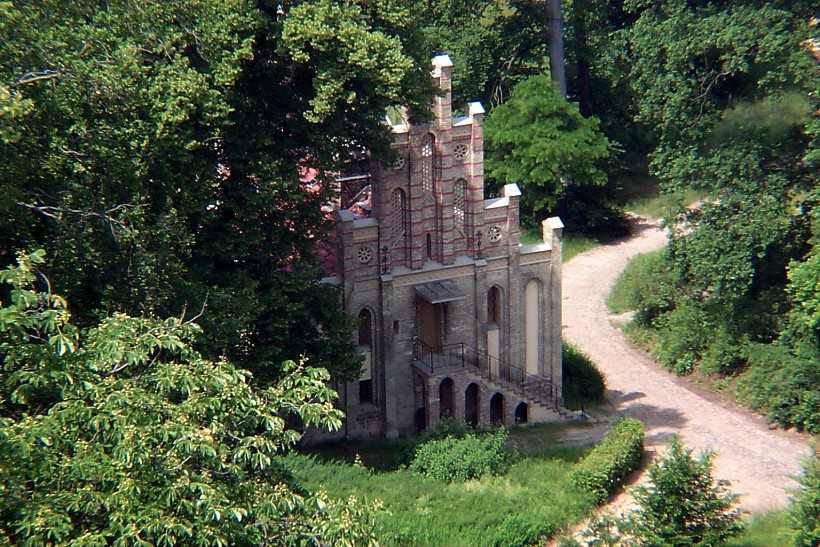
(456, 317)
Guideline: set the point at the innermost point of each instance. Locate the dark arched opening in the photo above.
(521, 413)
(445, 398)
(366, 394)
(497, 409)
(494, 305)
(471, 405)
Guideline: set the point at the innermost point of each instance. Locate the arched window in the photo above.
(398, 213)
(459, 200)
(428, 153)
(494, 305)
(366, 348)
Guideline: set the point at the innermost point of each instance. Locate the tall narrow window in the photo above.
(398, 214)
(494, 305)
(366, 348)
(459, 199)
(429, 247)
(428, 152)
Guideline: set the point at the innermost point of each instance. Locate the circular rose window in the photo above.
(365, 254)
(494, 233)
(460, 152)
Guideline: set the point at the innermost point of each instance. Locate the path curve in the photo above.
(759, 462)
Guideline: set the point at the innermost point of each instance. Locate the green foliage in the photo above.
(804, 512)
(457, 459)
(724, 355)
(648, 284)
(680, 505)
(125, 434)
(684, 334)
(603, 470)
(425, 511)
(520, 530)
(541, 142)
(155, 148)
(763, 530)
(785, 386)
(582, 383)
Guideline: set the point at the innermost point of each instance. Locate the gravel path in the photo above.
(758, 461)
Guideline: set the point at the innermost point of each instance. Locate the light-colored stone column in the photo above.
(552, 231)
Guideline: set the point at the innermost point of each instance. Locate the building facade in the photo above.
(456, 317)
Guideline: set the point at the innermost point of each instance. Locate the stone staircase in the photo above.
(511, 381)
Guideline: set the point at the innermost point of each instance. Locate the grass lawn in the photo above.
(573, 244)
(532, 495)
(767, 530)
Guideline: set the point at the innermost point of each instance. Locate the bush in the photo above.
(583, 382)
(724, 355)
(648, 284)
(805, 508)
(782, 384)
(680, 505)
(684, 335)
(461, 458)
(521, 529)
(604, 468)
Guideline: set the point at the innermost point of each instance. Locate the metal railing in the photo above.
(490, 367)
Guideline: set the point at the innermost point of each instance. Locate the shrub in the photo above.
(583, 382)
(521, 529)
(680, 505)
(784, 385)
(805, 509)
(648, 284)
(724, 355)
(461, 458)
(604, 468)
(684, 334)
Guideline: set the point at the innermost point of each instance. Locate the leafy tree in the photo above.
(498, 45)
(733, 96)
(124, 434)
(681, 505)
(540, 141)
(156, 150)
(805, 507)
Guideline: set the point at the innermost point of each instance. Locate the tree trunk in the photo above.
(580, 9)
(556, 38)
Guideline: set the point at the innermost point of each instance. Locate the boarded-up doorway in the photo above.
(429, 321)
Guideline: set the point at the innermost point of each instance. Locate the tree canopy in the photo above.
(540, 141)
(156, 150)
(124, 433)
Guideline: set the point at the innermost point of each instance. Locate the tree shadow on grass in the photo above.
(377, 455)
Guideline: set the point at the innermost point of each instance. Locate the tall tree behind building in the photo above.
(155, 149)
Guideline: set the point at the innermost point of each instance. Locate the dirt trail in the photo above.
(759, 462)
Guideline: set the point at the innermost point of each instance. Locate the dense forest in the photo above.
(161, 311)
